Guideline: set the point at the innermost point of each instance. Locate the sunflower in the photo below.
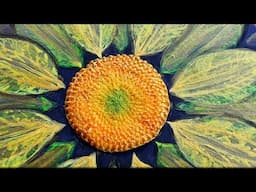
(107, 95)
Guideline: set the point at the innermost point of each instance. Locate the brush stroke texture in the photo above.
(216, 142)
(200, 40)
(57, 153)
(26, 69)
(80, 162)
(95, 38)
(8, 101)
(149, 39)
(22, 134)
(169, 156)
(55, 39)
(219, 78)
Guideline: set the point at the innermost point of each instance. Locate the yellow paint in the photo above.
(81, 162)
(26, 69)
(55, 39)
(137, 163)
(95, 38)
(149, 39)
(22, 134)
(200, 39)
(216, 142)
(131, 82)
(218, 78)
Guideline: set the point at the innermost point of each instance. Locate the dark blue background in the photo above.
(146, 153)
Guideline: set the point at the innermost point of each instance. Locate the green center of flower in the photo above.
(117, 101)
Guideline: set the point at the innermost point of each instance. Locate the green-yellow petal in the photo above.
(216, 142)
(22, 134)
(25, 68)
(57, 153)
(219, 78)
(244, 109)
(8, 101)
(137, 163)
(95, 38)
(200, 40)
(149, 39)
(169, 156)
(56, 40)
(81, 162)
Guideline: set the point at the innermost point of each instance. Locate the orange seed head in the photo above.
(117, 103)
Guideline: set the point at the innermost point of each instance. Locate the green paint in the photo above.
(46, 105)
(57, 153)
(117, 101)
(169, 155)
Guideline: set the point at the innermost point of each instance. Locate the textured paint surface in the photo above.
(22, 134)
(244, 109)
(56, 40)
(169, 156)
(8, 101)
(121, 39)
(219, 78)
(95, 38)
(57, 153)
(200, 40)
(149, 39)
(26, 69)
(81, 162)
(137, 163)
(117, 103)
(216, 142)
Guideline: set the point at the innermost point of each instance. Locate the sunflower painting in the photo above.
(127, 96)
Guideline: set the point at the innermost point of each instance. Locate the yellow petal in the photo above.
(95, 38)
(218, 78)
(154, 38)
(200, 40)
(216, 141)
(22, 134)
(81, 162)
(137, 163)
(26, 68)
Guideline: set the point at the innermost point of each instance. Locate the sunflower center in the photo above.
(117, 103)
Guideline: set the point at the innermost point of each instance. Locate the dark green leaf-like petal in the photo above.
(121, 39)
(57, 153)
(55, 39)
(25, 102)
(200, 40)
(169, 156)
(25, 68)
(22, 134)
